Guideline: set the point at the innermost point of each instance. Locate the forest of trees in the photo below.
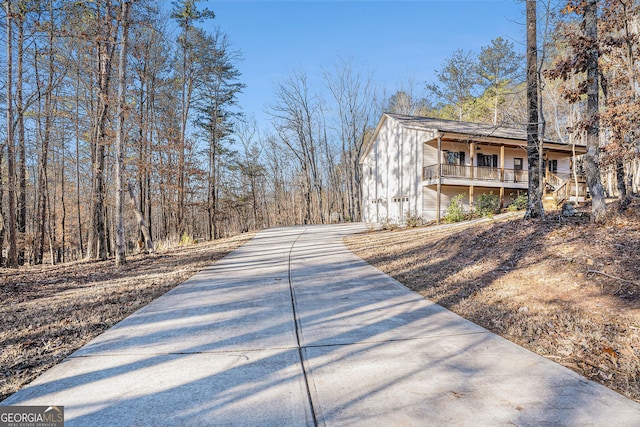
(116, 136)
(120, 136)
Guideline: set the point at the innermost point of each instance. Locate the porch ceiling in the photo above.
(507, 142)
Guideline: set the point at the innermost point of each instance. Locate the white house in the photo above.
(416, 165)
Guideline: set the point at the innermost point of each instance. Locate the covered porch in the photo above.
(499, 165)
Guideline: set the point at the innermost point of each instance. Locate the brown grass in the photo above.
(568, 290)
(48, 312)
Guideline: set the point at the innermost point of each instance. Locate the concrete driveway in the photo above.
(292, 329)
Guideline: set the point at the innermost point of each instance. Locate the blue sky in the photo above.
(396, 41)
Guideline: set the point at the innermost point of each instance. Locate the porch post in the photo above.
(439, 184)
(472, 152)
(502, 163)
(471, 197)
(502, 175)
(546, 177)
(546, 166)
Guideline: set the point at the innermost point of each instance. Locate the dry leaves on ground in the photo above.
(47, 312)
(565, 289)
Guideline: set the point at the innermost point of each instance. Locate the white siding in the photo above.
(564, 164)
(430, 155)
(448, 192)
(512, 153)
(429, 203)
(394, 188)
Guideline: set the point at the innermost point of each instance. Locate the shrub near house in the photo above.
(486, 205)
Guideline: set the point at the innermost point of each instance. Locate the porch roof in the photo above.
(469, 129)
(470, 132)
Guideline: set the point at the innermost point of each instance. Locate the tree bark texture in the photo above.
(144, 227)
(120, 136)
(592, 166)
(534, 204)
(97, 247)
(22, 161)
(12, 255)
(43, 169)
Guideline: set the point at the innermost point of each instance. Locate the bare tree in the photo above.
(186, 13)
(103, 40)
(534, 204)
(150, 78)
(120, 134)
(592, 166)
(352, 94)
(298, 121)
(582, 58)
(43, 169)
(48, 37)
(253, 170)
(12, 255)
(22, 152)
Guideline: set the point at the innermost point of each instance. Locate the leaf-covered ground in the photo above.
(565, 289)
(47, 312)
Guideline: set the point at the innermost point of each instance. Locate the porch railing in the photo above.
(563, 187)
(480, 173)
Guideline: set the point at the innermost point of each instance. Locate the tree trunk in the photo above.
(592, 167)
(2, 223)
(97, 247)
(144, 228)
(50, 229)
(620, 179)
(63, 220)
(145, 197)
(211, 196)
(43, 169)
(77, 137)
(534, 204)
(187, 85)
(496, 101)
(629, 41)
(120, 136)
(12, 255)
(144, 121)
(22, 161)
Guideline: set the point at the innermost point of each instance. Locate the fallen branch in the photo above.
(594, 272)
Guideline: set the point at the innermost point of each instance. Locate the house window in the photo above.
(550, 165)
(488, 160)
(454, 157)
(517, 163)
